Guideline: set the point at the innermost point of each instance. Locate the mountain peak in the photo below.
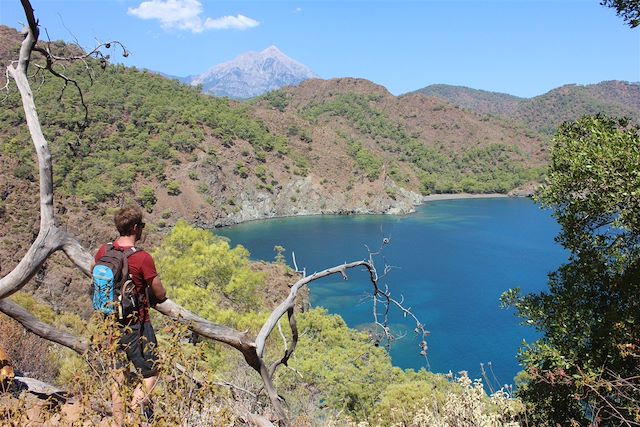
(272, 50)
(252, 74)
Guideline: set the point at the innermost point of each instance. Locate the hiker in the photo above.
(137, 339)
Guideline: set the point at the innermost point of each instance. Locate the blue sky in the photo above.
(523, 48)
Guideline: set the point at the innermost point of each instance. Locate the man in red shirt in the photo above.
(137, 339)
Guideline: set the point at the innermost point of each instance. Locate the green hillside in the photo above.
(546, 112)
(480, 101)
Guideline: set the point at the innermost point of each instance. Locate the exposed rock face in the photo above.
(303, 197)
(253, 74)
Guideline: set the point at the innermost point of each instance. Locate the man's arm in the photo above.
(158, 292)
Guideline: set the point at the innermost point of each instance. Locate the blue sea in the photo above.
(451, 260)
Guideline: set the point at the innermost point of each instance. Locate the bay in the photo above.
(451, 260)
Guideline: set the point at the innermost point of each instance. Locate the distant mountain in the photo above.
(252, 74)
(185, 80)
(480, 101)
(545, 112)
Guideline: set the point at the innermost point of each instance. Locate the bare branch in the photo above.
(294, 342)
(47, 242)
(235, 387)
(268, 326)
(41, 329)
(49, 67)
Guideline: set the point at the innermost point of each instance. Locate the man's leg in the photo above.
(145, 361)
(143, 391)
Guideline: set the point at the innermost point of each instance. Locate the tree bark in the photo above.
(42, 329)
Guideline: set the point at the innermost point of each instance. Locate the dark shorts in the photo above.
(139, 343)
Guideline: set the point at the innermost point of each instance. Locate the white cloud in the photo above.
(297, 10)
(185, 15)
(239, 22)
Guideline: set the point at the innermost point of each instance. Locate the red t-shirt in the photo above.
(142, 270)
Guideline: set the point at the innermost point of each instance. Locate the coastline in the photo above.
(422, 200)
(456, 196)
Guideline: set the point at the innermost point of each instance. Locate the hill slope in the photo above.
(480, 101)
(216, 162)
(545, 112)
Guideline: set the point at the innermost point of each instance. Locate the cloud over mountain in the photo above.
(185, 15)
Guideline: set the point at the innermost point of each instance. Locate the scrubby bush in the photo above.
(173, 188)
(276, 99)
(354, 380)
(184, 395)
(208, 277)
(147, 198)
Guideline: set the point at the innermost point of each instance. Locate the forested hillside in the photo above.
(480, 101)
(546, 112)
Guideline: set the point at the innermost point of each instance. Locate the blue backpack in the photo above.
(113, 290)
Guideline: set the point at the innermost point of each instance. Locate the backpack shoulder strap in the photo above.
(125, 261)
(132, 250)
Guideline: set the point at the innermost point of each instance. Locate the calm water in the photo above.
(452, 261)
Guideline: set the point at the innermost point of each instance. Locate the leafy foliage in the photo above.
(203, 274)
(629, 10)
(347, 369)
(352, 376)
(147, 198)
(590, 316)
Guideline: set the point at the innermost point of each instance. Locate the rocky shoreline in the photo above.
(267, 208)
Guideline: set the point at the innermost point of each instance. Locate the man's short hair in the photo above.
(126, 218)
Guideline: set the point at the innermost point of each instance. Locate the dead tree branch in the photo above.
(48, 332)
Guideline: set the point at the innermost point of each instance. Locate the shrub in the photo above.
(241, 170)
(24, 171)
(147, 198)
(202, 188)
(277, 99)
(261, 172)
(173, 188)
(202, 272)
(279, 250)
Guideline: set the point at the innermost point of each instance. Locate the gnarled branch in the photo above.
(38, 327)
